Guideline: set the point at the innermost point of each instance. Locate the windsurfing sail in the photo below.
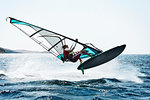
(49, 40)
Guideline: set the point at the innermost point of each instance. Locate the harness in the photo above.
(69, 56)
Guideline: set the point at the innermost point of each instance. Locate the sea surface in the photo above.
(44, 77)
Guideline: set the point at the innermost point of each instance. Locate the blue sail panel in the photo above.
(14, 21)
(89, 50)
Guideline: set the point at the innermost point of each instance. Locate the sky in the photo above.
(104, 23)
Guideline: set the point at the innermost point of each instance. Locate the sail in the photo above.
(49, 40)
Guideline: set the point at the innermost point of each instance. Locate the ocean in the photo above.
(36, 76)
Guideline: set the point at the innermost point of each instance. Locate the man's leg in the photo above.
(84, 52)
(80, 60)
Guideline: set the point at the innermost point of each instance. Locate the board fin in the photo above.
(82, 70)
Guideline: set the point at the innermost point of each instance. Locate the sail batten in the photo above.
(35, 32)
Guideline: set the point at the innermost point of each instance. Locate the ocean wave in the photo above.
(39, 77)
(50, 98)
(65, 83)
(8, 92)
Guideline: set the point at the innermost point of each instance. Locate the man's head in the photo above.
(65, 46)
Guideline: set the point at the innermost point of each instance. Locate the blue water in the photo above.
(44, 77)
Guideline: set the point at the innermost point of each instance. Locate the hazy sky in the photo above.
(104, 23)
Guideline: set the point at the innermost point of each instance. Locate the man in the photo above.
(70, 56)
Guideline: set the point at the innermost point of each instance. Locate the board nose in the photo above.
(123, 47)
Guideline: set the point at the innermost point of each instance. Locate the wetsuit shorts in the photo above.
(75, 57)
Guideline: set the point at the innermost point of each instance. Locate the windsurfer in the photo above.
(70, 56)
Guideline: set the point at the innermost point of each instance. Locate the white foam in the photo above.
(31, 67)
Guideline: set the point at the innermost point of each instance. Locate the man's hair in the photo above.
(64, 46)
